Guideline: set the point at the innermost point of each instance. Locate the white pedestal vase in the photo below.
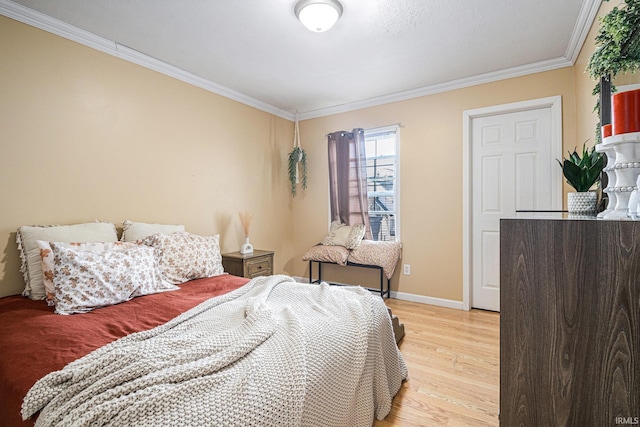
(626, 170)
(634, 202)
(246, 248)
(611, 178)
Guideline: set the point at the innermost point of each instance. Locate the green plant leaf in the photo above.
(582, 172)
(572, 173)
(297, 157)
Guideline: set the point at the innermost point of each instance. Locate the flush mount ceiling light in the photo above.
(318, 15)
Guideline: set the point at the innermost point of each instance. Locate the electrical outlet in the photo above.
(407, 269)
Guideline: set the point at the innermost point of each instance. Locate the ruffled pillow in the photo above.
(27, 236)
(348, 236)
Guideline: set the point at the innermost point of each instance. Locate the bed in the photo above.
(219, 350)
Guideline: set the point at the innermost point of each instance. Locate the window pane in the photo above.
(381, 185)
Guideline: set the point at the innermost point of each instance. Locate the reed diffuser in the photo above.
(245, 220)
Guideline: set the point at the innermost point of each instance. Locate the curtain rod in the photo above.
(400, 125)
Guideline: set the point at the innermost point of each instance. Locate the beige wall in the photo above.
(431, 174)
(431, 166)
(85, 136)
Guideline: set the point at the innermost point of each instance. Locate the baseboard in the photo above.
(440, 302)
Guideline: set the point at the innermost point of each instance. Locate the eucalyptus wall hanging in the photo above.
(297, 162)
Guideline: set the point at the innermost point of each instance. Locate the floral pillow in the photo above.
(383, 254)
(348, 236)
(86, 280)
(335, 254)
(46, 256)
(184, 256)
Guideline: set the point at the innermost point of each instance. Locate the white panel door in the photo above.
(511, 161)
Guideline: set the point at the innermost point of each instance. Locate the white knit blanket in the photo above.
(272, 353)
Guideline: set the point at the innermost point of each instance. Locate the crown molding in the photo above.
(39, 20)
(588, 13)
(586, 18)
(523, 70)
(151, 63)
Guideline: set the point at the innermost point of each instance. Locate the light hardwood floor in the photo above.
(454, 367)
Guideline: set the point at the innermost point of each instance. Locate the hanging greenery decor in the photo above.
(297, 163)
(617, 48)
(297, 157)
(618, 42)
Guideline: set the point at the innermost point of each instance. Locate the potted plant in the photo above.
(617, 51)
(582, 173)
(297, 162)
(297, 169)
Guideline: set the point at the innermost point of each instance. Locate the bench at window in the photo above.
(382, 256)
(384, 292)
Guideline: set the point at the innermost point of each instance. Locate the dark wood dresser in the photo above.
(257, 263)
(569, 322)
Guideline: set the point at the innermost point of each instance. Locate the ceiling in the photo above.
(380, 51)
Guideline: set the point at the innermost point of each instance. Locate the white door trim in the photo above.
(555, 104)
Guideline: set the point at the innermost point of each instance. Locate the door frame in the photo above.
(555, 104)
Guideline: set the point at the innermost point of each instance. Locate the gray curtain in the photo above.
(348, 178)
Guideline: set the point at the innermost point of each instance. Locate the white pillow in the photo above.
(132, 231)
(27, 236)
(184, 256)
(348, 236)
(85, 280)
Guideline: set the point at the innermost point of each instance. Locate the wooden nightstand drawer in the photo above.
(258, 263)
(259, 267)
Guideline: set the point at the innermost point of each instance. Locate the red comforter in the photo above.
(34, 341)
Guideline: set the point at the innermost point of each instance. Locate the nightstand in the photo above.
(258, 263)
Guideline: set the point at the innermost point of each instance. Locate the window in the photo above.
(382, 182)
